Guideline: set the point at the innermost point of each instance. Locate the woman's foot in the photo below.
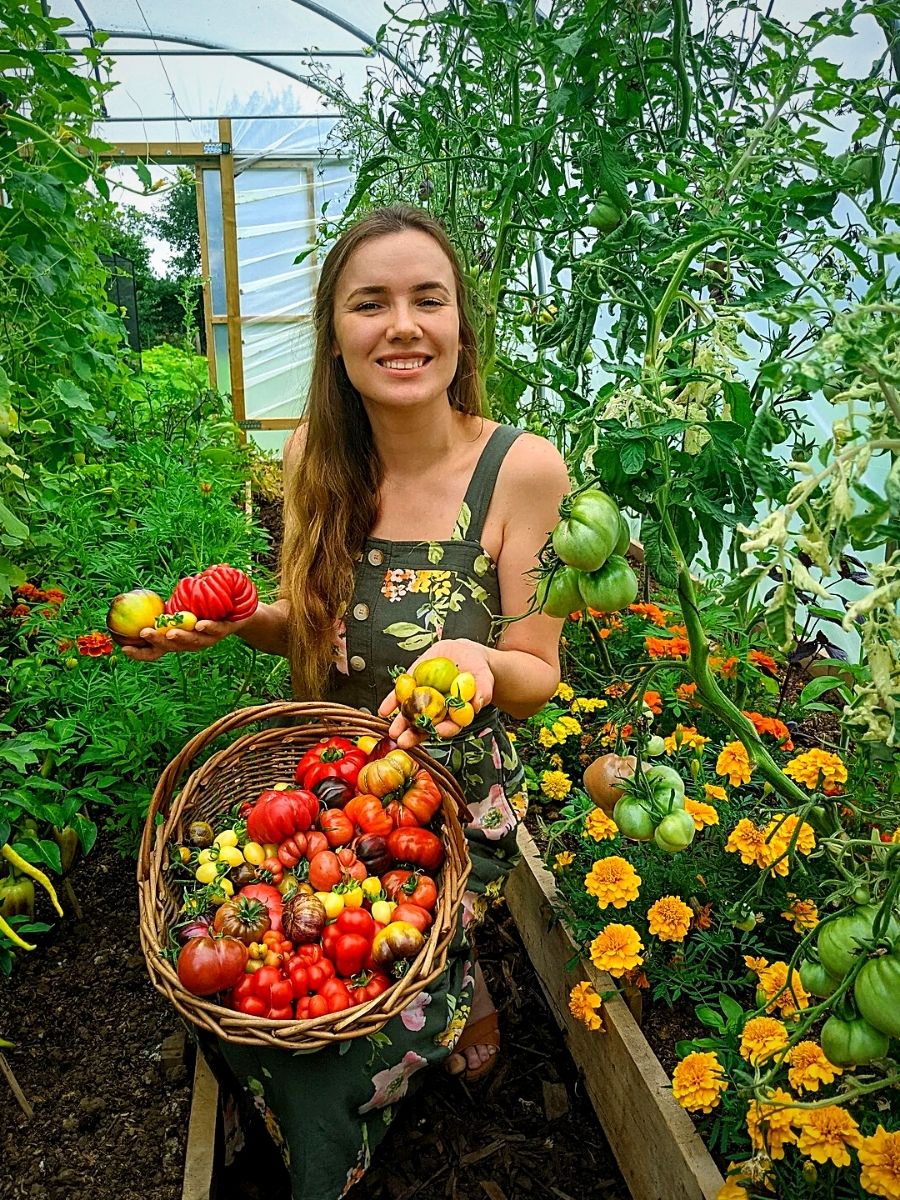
(474, 1057)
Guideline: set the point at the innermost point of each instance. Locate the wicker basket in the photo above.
(239, 773)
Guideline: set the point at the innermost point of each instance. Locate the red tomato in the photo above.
(367, 813)
(372, 984)
(211, 964)
(418, 804)
(271, 898)
(315, 842)
(292, 849)
(424, 892)
(330, 935)
(350, 864)
(350, 953)
(420, 847)
(415, 915)
(332, 758)
(392, 881)
(325, 871)
(279, 812)
(337, 827)
(220, 593)
(356, 920)
(318, 973)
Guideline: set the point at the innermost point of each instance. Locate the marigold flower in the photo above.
(734, 763)
(652, 612)
(675, 647)
(782, 996)
(773, 727)
(685, 737)
(762, 1037)
(54, 596)
(685, 692)
(587, 704)
(64, 645)
(653, 701)
(749, 841)
(771, 1123)
(802, 914)
(733, 1188)
(29, 591)
(698, 1081)
(565, 858)
(616, 689)
(703, 814)
(678, 630)
(599, 825)
(783, 827)
(669, 919)
(819, 770)
(20, 612)
(612, 881)
(715, 791)
(702, 918)
(94, 644)
(565, 727)
(825, 1134)
(765, 662)
(723, 666)
(556, 762)
(555, 785)
(755, 964)
(583, 1005)
(809, 1067)
(546, 738)
(564, 692)
(617, 949)
(879, 1157)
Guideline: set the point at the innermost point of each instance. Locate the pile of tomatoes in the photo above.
(315, 897)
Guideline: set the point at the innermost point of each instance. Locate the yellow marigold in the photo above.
(715, 791)
(802, 914)
(565, 727)
(749, 841)
(698, 1081)
(819, 770)
(669, 919)
(734, 763)
(556, 785)
(546, 738)
(879, 1157)
(762, 1037)
(703, 814)
(565, 858)
(781, 829)
(755, 964)
(617, 949)
(599, 825)
(613, 881)
(825, 1134)
(685, 737)
(809, 1067)
(651, 611)
(587, 704)
(770, 1123)
(584, 1004)
(564, 692)
(780, 996)
(733, 1188)
(556, 762)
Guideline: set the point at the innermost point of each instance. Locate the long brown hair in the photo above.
(331, 501)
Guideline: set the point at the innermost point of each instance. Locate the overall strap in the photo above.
(481, 485)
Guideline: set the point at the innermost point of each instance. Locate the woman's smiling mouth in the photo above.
(404, 363)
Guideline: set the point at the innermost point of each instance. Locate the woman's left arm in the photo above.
(522, 672)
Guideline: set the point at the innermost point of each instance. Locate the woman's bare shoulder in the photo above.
(293, 449)
(534, 461)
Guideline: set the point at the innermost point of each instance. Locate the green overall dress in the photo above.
(329, 1109)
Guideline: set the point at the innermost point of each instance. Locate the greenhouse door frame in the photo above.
(216, 156)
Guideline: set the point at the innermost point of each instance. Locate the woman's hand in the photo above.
(468, 656)
(170, 641)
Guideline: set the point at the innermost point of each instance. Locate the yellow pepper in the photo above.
(7, 930)
(27, 869)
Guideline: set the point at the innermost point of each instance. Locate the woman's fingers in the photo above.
(388, 704)
(166, 641)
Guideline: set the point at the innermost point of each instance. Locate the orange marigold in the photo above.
(685, 692)
(698, 1081)
(809, 1067)
(765, 662)
(819, 770)
(94, 644)
(675, 647)
(771, 1123)
(669, 919)
(703, 814)
(612, 881)
(879, 1157)
(653, 701)
(773, 727)
(825, 1134)
(781, 993)
(652, 612)
(617, 949)
(584, 1004)
(762, 1037)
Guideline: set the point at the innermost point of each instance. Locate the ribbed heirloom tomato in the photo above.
(613, 587)
(418, 803)
(588, 531)
(211, 964)
(220, 593)
(852, 1043)
(420, 847)
(279, 812)
(877, 993)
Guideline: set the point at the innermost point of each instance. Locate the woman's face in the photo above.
(396, 320)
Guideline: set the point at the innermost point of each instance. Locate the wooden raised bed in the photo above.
(660, 1153)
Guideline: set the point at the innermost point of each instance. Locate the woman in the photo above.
(412, 523)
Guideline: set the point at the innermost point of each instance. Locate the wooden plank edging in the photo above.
(200, 1152)
(659, 1152)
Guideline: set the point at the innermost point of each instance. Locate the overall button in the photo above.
(357, 663)
(361, 611)
(376, 558)
(367, 711)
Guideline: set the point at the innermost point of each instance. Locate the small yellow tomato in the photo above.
(463, 686)
(404, 686)
(228, 837)
(178, 620)
(207, 872)
(254, 853)
(258, 950)
(462, 714)
(334, 904)
(184, 854)
(371, 887)
(367, 743)
(231, 855)
(424, 706)
(438, 673)
(381, 911)
(353, 897)
(224, 889)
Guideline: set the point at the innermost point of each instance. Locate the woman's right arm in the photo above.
(266, 630)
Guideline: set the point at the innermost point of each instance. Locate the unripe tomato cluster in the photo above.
(313, 898)
(590, 542)
(648, 809)
(220, 593)
(435, 690)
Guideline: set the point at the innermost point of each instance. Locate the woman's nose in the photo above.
(404, 323)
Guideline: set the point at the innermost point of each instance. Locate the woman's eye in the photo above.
(367, 305)
(433, 302)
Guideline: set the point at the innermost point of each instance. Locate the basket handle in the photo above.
(317, 713)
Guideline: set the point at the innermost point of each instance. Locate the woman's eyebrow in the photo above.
(379, 289)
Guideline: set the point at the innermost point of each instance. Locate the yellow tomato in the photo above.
(404, 686)
(381, 911)
(372, 888)
(254, 853)
(207, 872)
(178, 620)
(424, 707)
(462, 714)
(437, 673)
(184, 854)
(224, 889)
(271, 849)
(334, 904)
(353, 898)
(367, 743)
(463, 686)
(230, 855)
(228, 837)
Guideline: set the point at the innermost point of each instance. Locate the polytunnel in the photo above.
(233, 93)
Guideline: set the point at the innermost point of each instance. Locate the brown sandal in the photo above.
(483, 1032)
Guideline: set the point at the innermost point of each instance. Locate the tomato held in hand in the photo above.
(220, 593)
